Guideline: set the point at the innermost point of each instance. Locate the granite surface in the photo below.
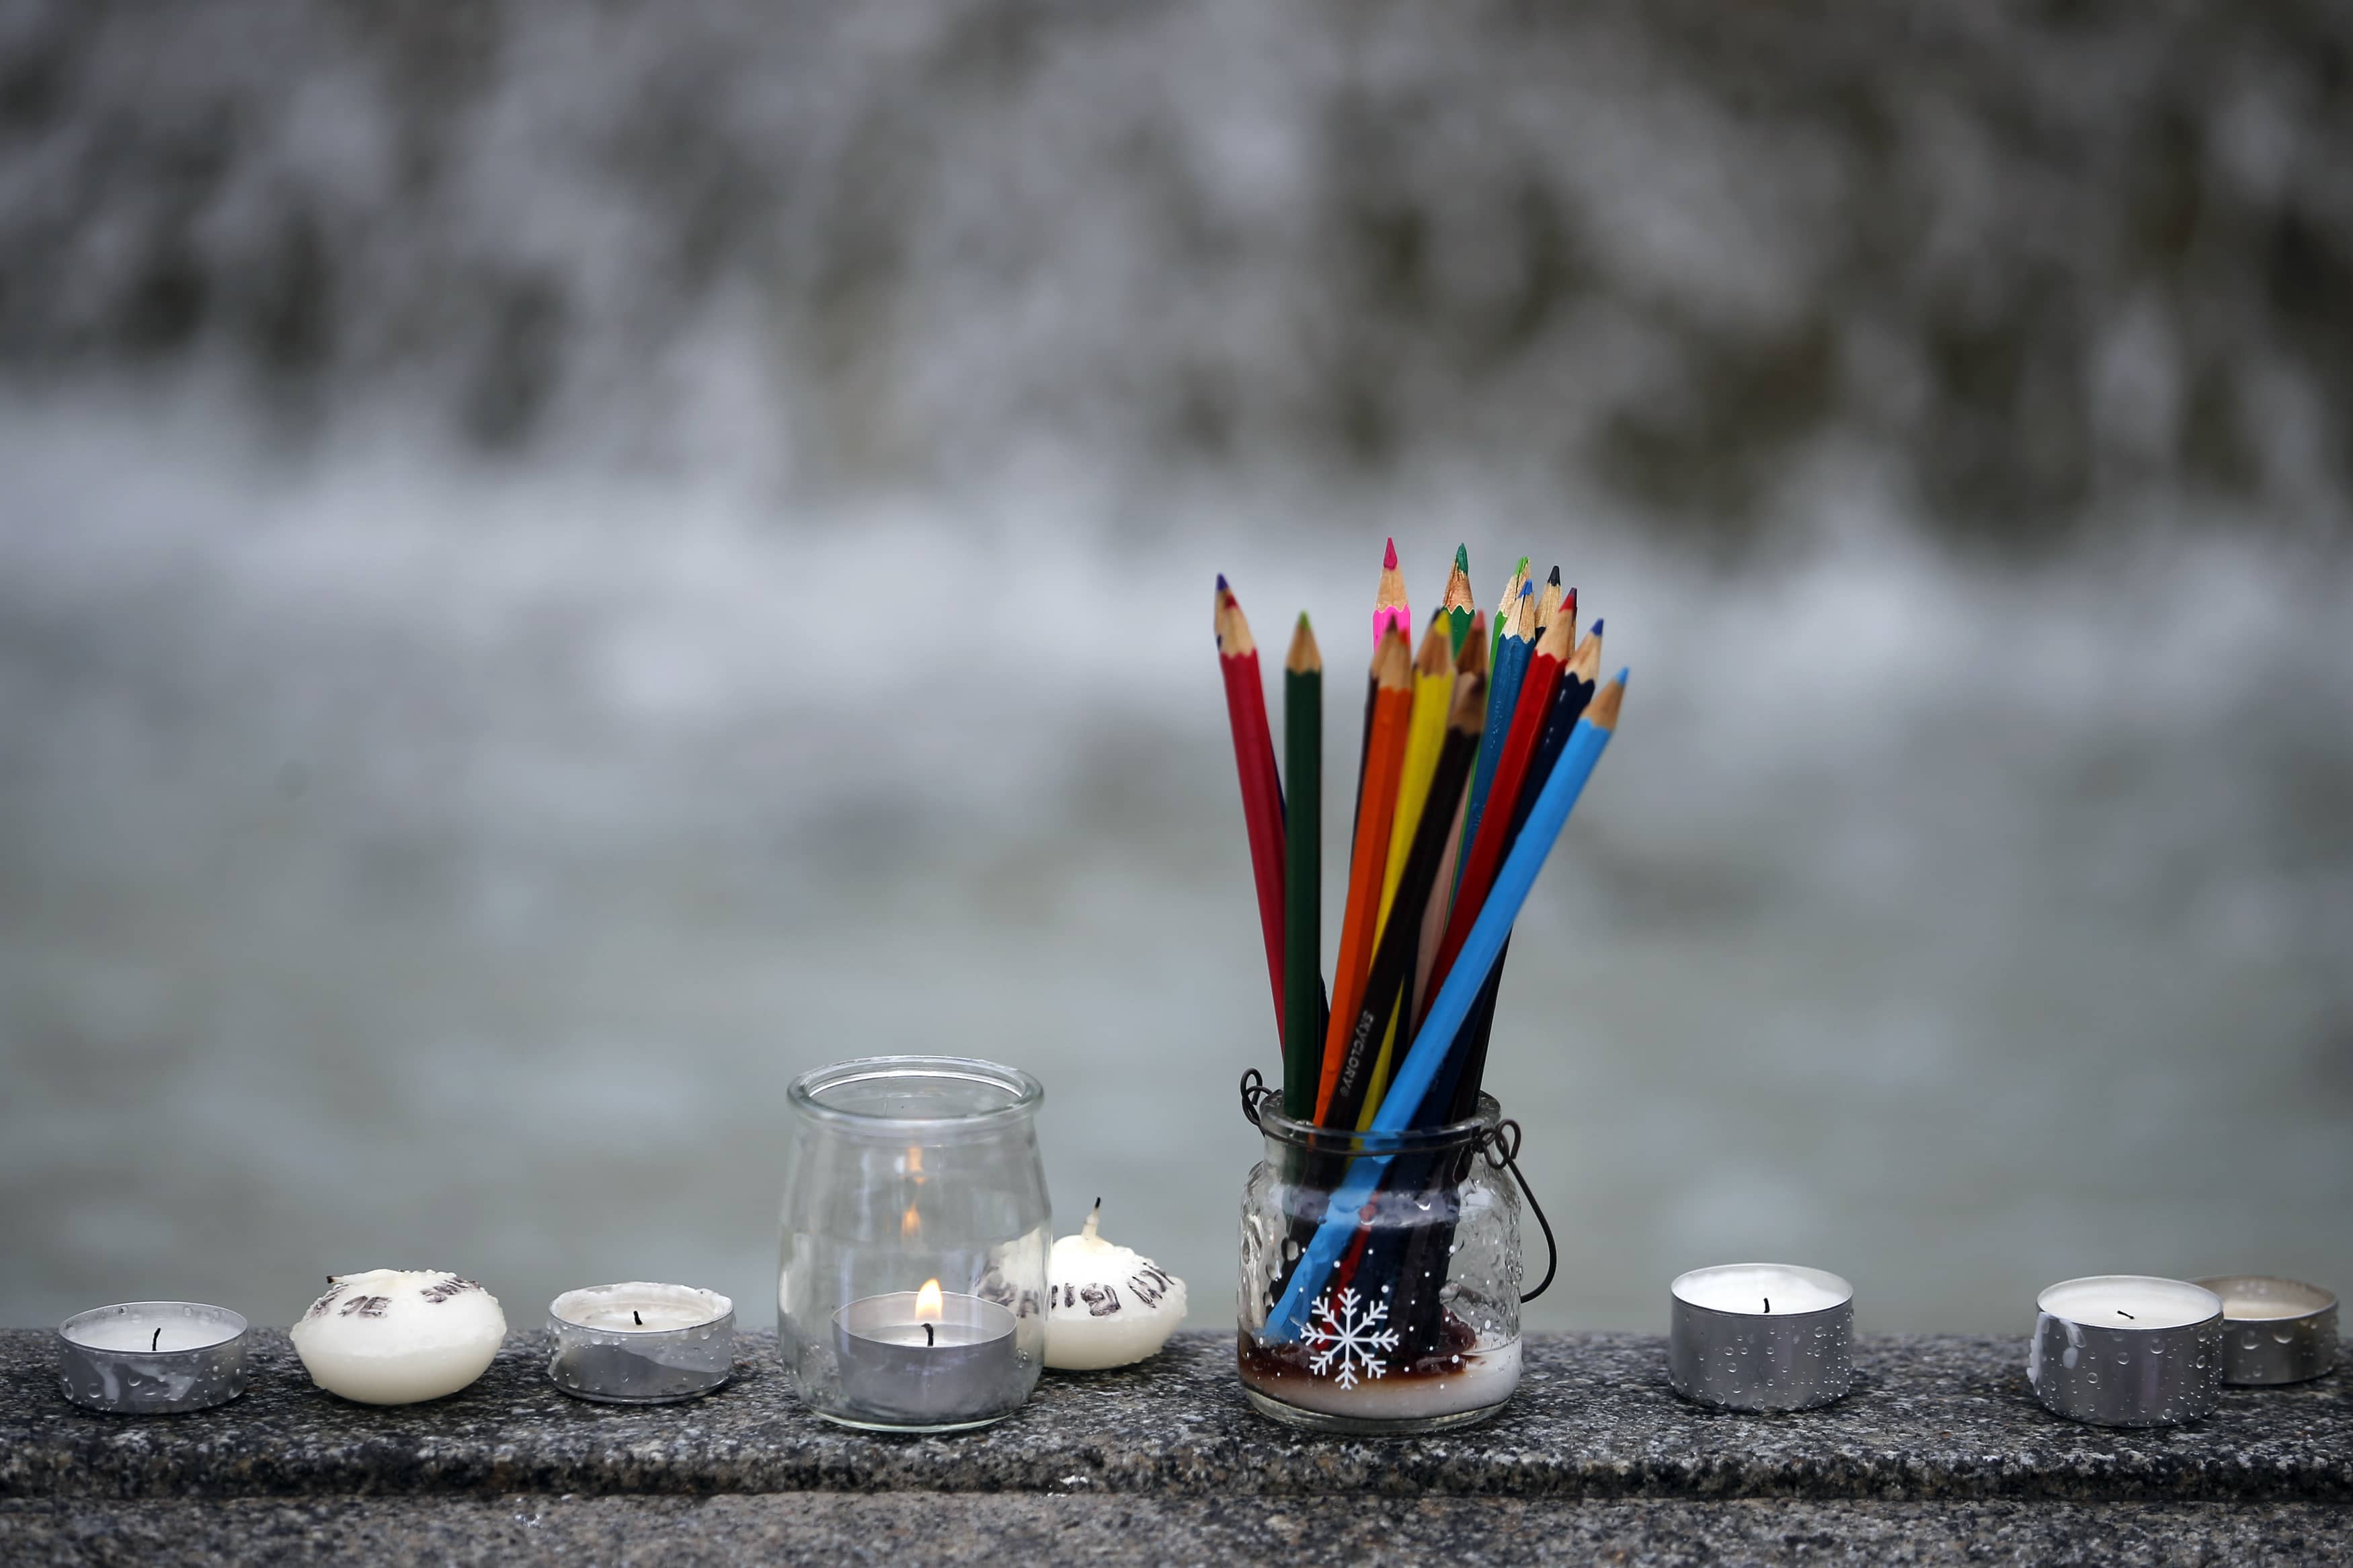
(903, 1528)
(1933, 1420)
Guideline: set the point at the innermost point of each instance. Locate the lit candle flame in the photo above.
(929, 1306)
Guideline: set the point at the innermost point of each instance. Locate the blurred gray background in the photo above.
(562, 564)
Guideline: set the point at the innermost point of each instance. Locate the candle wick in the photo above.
(156, 1344)
(634, 1319)
(2126, 1316)
(929, 1338)
(1768, 1303)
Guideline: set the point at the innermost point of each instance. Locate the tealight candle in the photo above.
(152, 1357)
(2274, 1330)
(927, 1359)
(2128, 1350)
(1761, 1336)
(395, 1336)
(640, 1343)
(1106, 1305)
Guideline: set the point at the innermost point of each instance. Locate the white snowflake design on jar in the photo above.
(1349, 1339)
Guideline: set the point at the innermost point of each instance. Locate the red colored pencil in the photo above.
(1528, 716)
(1254, 767)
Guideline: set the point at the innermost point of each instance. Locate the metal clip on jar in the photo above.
(1417, 1326)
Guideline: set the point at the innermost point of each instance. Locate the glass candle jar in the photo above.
(910, 1294)
(1416, 1324)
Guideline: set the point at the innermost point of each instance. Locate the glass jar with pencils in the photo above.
(1380, 1272)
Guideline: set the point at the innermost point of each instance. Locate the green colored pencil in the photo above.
(1460, 606)
(1302, 882)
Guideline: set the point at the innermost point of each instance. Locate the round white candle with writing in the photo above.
(2128, 1350)
(1106, 1305)
(1761, 1336)
(396, 1336)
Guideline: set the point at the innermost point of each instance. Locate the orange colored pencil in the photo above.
(1376, 803)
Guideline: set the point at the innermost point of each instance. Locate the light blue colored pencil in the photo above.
(1453, 1003)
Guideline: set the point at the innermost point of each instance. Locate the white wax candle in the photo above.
(640, 1308)
(394, 1336)
(1761, 1290)
(2129, 1302)
(139, 1331)
(1106, 1305)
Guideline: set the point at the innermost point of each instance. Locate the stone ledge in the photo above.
(901, 1528)
(1932, 1419)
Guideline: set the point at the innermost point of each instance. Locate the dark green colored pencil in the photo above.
(1303, 883)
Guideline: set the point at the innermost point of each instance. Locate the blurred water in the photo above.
(408, 862)
(559, 567)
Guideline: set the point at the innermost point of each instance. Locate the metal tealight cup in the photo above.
(2274, 1330)
(2128, 1350)
(1761, 1359)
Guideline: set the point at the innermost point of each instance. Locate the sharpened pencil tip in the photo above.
(1554, 578)
(1597, 625)
(1221, 582)
(1622, 675)
(1462, 558)
(1527, 590)
(1388, 557)
(1303, 621)
(1522, 569)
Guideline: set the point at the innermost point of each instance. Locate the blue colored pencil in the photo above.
(1511, 653)
(1435, 1041)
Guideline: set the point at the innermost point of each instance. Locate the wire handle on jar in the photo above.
(1255, 1092)
(1501, 1147)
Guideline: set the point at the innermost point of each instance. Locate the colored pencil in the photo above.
(1434, 696)
(1470, 659)
(1460, 606)
(1254, 767)
(1503, 694)
(1401, 1107)
(1360, 1079)
(1390, 611)
(1303, 925)
(1506, 608)
(1531, 711)
(1376, 802)
(1548, 602)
